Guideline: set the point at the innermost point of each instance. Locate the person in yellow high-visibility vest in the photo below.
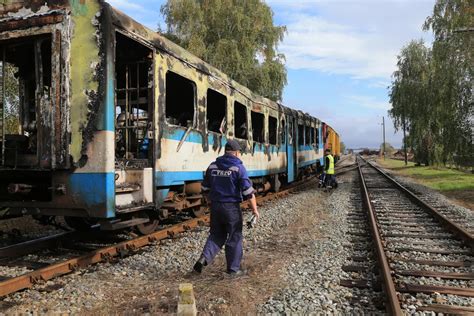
(330, 179)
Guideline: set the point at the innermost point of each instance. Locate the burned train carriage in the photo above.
(104, 120)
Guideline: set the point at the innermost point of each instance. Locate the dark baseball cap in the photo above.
(232, 145)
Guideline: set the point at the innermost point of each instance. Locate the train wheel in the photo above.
(198, 211)
(149, 227)
(80, 223)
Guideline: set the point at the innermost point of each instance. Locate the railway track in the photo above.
(49, 257)
(424, 259)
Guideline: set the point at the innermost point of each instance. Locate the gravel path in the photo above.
(313, 280)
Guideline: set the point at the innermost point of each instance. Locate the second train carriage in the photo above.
(116, 124)
(331, 141)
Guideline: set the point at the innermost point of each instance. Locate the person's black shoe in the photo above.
(236, 274)
(200, 264)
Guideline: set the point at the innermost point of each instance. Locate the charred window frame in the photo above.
(300, 134)
(134, 100)
(311, 131)
(240, 121)
(180, 100)
(272, 130)
(316, 132)
(258, 127)
(291, 132)
(282, 132)
(307, 138)
(216, 112)
(26, 100)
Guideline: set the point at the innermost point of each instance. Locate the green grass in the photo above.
(441, 179)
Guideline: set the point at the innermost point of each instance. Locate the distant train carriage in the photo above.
(116, 124)
(331, 141)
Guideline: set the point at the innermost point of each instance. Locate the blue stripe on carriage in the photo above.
(96, 191)
(177, 133)
(307, 163)
(179, 177)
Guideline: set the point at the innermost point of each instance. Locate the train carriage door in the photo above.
(290, 149)
(134, 128)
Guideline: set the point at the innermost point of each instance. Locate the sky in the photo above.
(340, 55)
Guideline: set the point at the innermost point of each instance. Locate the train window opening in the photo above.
(316, 131)
(272, 130)
(216, 111)
(180, 100)
(307, 138)
(283, 132)
(258, 127)
(25, 88)
(240, 121)
(300, 135)
(134, 104)
(291, 132)
(311, 135)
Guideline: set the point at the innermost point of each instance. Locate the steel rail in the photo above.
(345, 169)
(121, 249)
(52, 241)
(393, 304)
(452, 226)
(25, 247)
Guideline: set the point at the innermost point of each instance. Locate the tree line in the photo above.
(431, 90)
(237, 37)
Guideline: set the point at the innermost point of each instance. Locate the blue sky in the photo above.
(340, 55)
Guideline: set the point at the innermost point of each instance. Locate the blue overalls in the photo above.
(228, 184)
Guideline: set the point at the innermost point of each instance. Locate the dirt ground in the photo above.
(215, 292)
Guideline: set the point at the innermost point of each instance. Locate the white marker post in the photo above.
(186, 301)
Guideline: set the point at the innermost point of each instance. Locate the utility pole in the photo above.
(383, 125)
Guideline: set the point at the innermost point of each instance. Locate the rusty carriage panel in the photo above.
(58, 144)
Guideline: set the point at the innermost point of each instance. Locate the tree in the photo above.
(237, 37)
(431, 91)
(409, 96)
(342, 147)
(389, 149)
(452, 77)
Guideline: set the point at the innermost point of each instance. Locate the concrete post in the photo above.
(186, 301)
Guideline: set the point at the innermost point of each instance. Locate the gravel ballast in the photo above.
(148, 280)
(294, 259)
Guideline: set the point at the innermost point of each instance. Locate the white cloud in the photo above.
(360, 39)
(126, 5)
(368, 102)
(365, 131)
(313, 43)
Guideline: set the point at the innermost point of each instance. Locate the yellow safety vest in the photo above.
(331, 165)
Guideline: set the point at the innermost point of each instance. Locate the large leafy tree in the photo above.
(452, 23)
(431, 91)
(238, 37)
(409, 99)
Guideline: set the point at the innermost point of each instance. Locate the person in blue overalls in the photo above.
(226, 184)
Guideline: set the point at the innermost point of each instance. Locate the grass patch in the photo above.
(441, 179)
